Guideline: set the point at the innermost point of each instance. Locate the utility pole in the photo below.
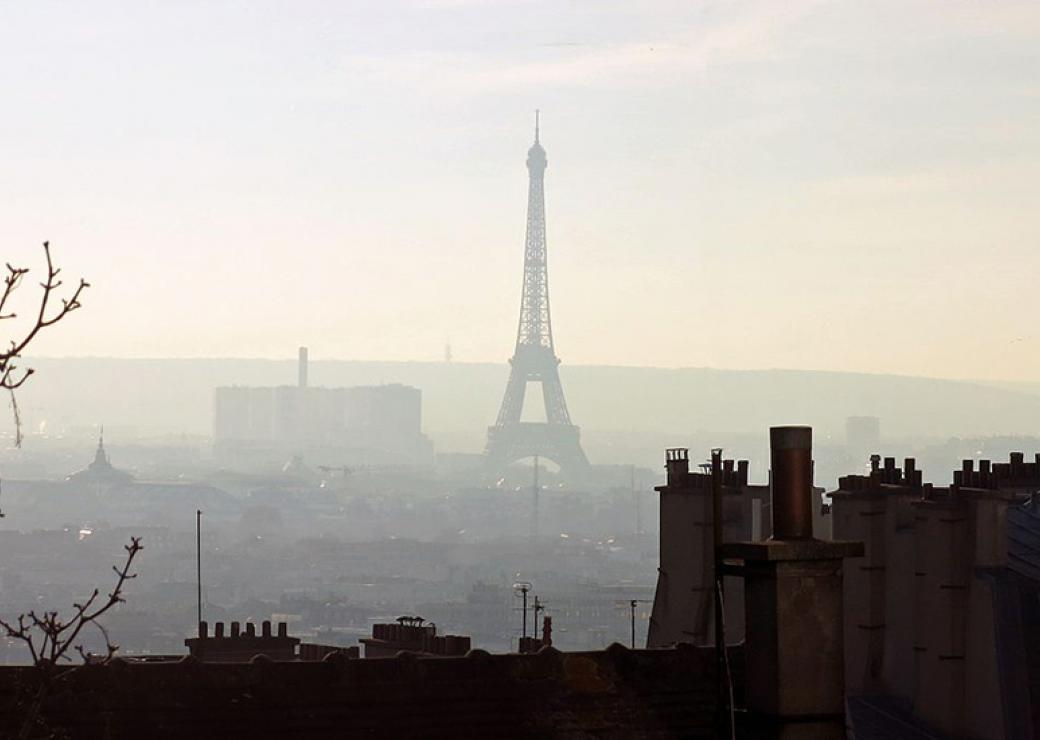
(716, 533)
(635, 499)
(534, 502)
(632, 606)
(716, 530)
(198, 559)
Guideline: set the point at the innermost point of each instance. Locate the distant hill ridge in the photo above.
(461, 399)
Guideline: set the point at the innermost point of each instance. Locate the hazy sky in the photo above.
(847, 186)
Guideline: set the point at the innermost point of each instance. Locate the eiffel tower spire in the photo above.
(534, 359)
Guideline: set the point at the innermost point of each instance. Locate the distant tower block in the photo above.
(534, 359)
(862, 436)
(302, 369)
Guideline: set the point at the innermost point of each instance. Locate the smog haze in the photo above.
(811, 185)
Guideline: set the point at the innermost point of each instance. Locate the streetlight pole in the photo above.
(198, 560)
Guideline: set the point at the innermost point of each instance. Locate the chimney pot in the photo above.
(676, 461)
(792, 474)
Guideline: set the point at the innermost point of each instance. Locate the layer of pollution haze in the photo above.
(293, 445)
(165, 398)
(811, 185)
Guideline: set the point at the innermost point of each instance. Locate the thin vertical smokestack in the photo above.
(302, 370)
(791, 456)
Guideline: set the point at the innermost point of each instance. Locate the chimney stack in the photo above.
(302, 368)
(794, 646)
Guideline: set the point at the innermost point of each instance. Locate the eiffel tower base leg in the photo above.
(559, 443)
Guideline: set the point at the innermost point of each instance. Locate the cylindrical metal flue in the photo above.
(301, 368)
(791, 457)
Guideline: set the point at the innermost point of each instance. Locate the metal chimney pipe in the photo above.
(302, 368)
(791, 457)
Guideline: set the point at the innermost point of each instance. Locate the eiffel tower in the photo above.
(534, 359)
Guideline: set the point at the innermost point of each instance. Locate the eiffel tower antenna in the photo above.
(534, 359)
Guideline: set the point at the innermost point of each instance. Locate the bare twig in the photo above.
(17, 419)
(12, 375)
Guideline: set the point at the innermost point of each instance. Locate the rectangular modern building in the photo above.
(379, 424)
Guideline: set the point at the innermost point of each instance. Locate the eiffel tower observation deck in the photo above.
(534, 360)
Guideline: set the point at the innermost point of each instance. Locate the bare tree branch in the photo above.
(50, 638)
(12, 375)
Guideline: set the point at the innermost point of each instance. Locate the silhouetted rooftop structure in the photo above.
(941, 610)
(412, 634)
(625, 693)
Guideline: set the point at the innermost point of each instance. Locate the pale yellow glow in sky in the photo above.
(843, 186)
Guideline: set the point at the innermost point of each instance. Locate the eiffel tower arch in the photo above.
(534, 359)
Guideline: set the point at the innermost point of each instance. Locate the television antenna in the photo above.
(522, 588)
(631, 604)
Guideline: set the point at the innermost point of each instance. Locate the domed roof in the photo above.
(100, 471)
